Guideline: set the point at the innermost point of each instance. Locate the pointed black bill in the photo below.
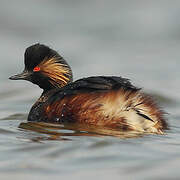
(23, 76)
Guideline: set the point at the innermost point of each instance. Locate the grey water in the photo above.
(139, 40)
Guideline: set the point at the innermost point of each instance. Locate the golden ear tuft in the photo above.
(57, 72)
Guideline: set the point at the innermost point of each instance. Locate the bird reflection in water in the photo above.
(66, 131)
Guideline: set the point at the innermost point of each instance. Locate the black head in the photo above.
(44, 67)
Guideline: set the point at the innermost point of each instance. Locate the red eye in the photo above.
(36, 69)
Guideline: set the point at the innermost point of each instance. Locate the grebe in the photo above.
(106, 101)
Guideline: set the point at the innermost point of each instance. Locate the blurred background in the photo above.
(137, 39)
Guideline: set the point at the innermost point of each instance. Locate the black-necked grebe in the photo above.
(100, 100)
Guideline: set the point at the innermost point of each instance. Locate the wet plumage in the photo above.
(101, 100)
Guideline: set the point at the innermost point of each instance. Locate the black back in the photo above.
(93, 84)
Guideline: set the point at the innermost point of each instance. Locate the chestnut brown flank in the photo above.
(116, 108)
